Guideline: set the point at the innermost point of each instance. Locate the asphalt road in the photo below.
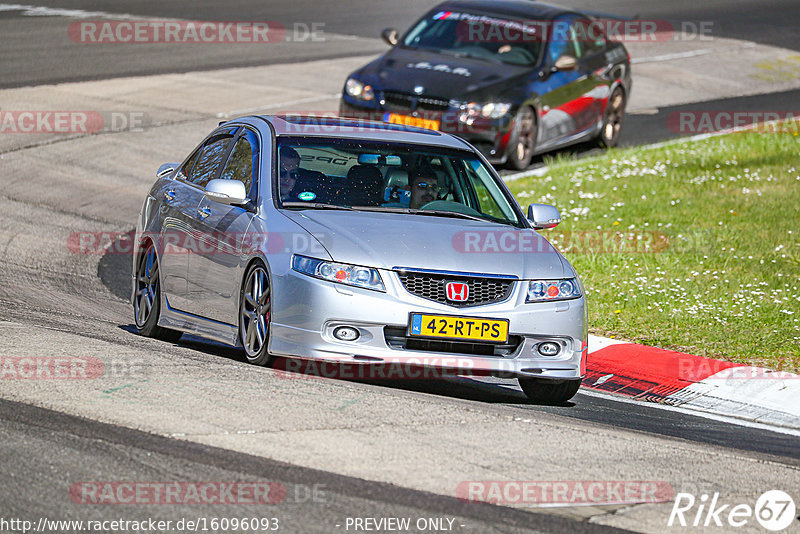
(44, 452)
(197, 412)
(37, 49)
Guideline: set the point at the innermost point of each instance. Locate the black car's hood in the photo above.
(440, 75)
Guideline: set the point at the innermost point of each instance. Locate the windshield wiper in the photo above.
(316, 206)
(455, 214)
(419, 47)
(432, 213)
(458, 54)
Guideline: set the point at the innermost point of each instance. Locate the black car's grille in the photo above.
(396, 338)
(431, 286)
(405, 102)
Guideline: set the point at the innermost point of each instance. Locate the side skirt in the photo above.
(575, 138)
(201, 326)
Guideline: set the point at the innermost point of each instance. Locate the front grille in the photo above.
(431, 286)
(396, 338)
(405, 102)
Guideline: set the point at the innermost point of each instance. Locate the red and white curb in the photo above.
(692, 382)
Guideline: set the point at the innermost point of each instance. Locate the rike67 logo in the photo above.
(774, 510)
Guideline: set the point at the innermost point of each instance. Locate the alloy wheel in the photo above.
(525, 137)
(612, 125)
(254, 315)
(146, 286)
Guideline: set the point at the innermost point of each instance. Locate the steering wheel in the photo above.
(449, 205)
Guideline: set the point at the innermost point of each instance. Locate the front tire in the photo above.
(549, 391)
(523, 139)
(147, 298)
(255, 306)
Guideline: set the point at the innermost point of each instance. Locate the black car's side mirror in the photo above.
(391, 36)
(565, 62)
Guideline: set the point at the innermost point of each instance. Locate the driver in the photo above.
(424, 189)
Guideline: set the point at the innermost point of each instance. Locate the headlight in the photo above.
(358, 90)
(495, 110)
(492, 110)
(342, 273)
(549, 290)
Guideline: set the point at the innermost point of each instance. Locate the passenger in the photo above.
(289, 171)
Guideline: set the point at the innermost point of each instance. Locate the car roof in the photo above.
(518, 8)
(336, 127)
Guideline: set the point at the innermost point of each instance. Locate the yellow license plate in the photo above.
(406, 120)
(467, 328)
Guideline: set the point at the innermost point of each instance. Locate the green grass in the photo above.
(692, 247)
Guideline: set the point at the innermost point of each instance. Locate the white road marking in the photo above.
(691, 53)
(44, 11)
(511, 384)
(695, 412)
(677, 55)
(603, 379)
(642, 111)
(539, 171)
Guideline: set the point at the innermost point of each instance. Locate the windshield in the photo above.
(352, 174)
(479, 36)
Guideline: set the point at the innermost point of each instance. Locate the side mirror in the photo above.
(543, 216)
(166, 169)
(391, 36)
(227, 192)
(566, 62)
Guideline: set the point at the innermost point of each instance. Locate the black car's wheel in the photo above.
(254, 315)
(612, 120)
(147, 298)
(549, 391)
(523, 139)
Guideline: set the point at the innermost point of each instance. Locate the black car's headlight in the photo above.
(491, 110)
(359, 90)
(549, 290)
(342, 273)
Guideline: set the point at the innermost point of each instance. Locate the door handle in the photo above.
(169, 195)
(204, 212)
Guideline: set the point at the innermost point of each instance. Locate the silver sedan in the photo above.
(358, 243)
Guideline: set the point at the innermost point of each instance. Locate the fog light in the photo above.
(549, 348)
(346, 333)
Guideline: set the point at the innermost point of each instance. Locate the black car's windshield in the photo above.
(483, 37)
(353, 174)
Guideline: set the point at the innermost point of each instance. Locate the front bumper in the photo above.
(307, 310)
(489, 136)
